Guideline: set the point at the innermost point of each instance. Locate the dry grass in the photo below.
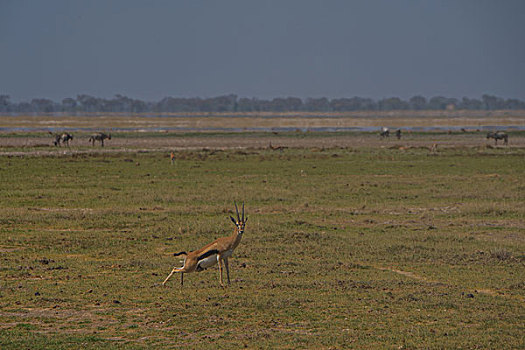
(361, 247)
(299, 120)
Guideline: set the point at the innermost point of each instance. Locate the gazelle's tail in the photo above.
(180, 253)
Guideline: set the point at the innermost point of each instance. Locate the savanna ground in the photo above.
(352, 241)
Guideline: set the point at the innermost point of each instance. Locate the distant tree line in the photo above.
(232, 103)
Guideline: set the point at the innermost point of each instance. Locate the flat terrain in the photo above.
(269, 120)
(352, 241)
(258, 130)
(167, 142)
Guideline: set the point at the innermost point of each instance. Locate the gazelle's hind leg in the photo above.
(227, 269)
(175, 269)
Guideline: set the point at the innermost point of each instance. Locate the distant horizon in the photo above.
(268, 98)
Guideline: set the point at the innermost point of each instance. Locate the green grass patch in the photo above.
(344, 248)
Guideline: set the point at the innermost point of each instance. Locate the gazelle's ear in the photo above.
(245, 221)
(233, 220)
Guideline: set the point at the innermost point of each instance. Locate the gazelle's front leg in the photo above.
(227, 269)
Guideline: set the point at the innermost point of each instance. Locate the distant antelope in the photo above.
(277, 148)
(398, 134)
(217, 251)
(99, 136)
(499, 135)
(384, 132)
(63, 138)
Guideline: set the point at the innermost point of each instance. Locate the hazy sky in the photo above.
(370, 48)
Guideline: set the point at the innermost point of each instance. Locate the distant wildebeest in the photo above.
(499, 135)
(99, 136)
(63, 138)
(384, 132)
(398, 134)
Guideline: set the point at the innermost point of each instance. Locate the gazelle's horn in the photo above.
(237, 211)
(242, 211)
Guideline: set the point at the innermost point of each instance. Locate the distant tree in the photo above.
(417, 103)
(138, 106)
(441, 103)
(69, 104)
(470, 104)
(360, 104)
(119, 103)
(245, 105)
(367, 104)
(231, 103)
(278, 104)
(89, 103)
(353, 104)
(514, 104)
(262, 105)
(293, 104)
(4, 103)
(224, 103)
(285, 104)
(492, 102)
(42, 105)
(341, 104)
(24, 107)
(317, 104)
(392, 103)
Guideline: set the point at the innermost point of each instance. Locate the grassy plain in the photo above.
(346, 247)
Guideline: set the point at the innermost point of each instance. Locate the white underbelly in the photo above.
(208, 261)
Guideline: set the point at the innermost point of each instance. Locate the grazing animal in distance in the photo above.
(499, 135)
(99, 136)
(398, 134)
(384, 132)
(215, 252)
(276, 148)
(63, 138)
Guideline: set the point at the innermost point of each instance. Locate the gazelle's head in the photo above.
(241, 221)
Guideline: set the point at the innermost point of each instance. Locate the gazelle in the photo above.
(215, 252)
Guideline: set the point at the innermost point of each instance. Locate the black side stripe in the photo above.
(208, 253)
